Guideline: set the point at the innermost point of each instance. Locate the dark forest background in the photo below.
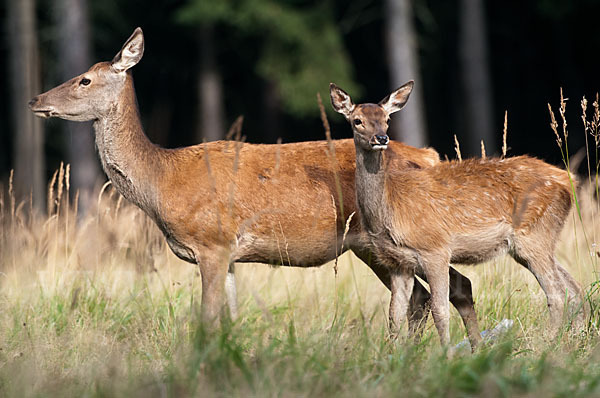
(207, 62)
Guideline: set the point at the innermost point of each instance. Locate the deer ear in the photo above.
(396, 100)
(131, 53)
(341, 101)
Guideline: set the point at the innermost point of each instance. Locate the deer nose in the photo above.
(382, 139)
(33, 101)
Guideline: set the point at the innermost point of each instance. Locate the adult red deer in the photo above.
(222, 202)
(461, 212)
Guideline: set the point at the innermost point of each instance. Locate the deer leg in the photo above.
(436, 271)
(461, 297)
(231, 291)
(382, 272)
(550, 279)
(576, 303)
(419, 301)
(418, 310)
(214, 272)
(402, 281)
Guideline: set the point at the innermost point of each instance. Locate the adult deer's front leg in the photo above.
(213, 269)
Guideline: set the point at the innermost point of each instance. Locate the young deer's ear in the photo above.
(341, 101)
(131, 53)
(396, 100)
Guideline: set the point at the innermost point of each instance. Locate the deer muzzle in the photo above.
(379, 141)
(39, 109)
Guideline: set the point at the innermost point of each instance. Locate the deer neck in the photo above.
(129, 159)
(370, 186)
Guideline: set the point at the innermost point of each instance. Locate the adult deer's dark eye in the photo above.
(84, 81)
(357, 122)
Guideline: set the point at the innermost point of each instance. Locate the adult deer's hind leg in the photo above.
(418, 310)
(461, 297)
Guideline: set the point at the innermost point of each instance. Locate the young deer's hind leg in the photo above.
(576, 303)
(541, 263)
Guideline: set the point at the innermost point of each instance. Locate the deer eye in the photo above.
(357, 122)
(84, 81)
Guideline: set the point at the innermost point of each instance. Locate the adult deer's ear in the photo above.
(341, 101)
(131, 53)
(396, 100)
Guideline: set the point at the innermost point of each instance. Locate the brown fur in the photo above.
(222, 202)
(461, 212)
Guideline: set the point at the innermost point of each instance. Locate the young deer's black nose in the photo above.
(33, 101)
(382, 139)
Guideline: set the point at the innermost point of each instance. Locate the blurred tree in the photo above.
(74, 53)
(403, 57)
(28, 142)
(210, 90)
(299, 49)
(475, 77)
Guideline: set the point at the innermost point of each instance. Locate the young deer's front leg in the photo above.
(402, 282)
(436, 270)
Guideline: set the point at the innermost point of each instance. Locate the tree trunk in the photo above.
(74, 54)
(210, 90)
(28, 144)
(271, 113)
(403, 58)
(475, 73)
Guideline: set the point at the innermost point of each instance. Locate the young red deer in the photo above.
(221, 202)
(460, 212)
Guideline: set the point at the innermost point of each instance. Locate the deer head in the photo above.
(370, 121)
(92, 94)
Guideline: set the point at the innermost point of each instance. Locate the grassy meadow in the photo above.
(98, 306)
